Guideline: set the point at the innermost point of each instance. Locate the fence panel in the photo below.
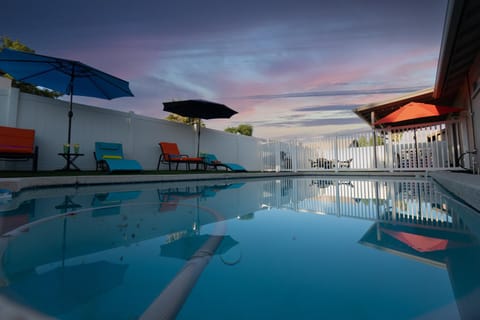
(434, 147)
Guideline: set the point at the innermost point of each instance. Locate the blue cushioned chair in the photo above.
(212, 161)
(109, 156)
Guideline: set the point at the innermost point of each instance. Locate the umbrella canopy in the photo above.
(200, 109)
(416, 110)
(62, 75)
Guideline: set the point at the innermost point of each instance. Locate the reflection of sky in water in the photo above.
(296, 248)
(304, 265)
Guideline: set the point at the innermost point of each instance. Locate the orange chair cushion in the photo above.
(172, 153)
(16, 140)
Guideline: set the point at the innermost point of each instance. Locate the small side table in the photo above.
(70, 158)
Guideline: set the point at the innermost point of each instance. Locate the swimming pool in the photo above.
(289, 248)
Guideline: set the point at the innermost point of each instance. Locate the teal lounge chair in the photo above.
(109, 203)
(109, 156)
(212, 161)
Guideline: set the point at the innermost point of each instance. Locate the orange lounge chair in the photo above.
(171, 154)
(18, 144)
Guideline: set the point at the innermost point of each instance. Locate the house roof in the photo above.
(384, 108)
(460, 47)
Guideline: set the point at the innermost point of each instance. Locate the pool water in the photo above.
(290, 248)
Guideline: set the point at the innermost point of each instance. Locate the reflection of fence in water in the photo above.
(407, 202)
(417, 202)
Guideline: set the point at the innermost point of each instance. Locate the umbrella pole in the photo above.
(70, 115)
(198, 138)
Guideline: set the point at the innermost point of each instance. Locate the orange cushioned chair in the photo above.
(18, 144)
(171, 154)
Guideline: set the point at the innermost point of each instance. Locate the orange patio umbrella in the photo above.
(417, 110)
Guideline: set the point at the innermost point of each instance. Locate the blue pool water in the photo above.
(291, 248)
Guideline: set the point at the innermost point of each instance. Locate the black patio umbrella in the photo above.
(200, 109)
(65, 76)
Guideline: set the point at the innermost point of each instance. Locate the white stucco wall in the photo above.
(138, 134)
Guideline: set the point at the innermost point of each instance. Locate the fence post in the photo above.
(294, 156)
(375, 166)
(335, 153)
(391, 159)
(276, 149)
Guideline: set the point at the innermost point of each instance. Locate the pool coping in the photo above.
(464, 186)
(21, 183)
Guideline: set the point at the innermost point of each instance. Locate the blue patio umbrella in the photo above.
(65, 76)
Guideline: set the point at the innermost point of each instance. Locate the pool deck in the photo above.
(463, 185)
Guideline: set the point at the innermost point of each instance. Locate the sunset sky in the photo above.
(290, 68)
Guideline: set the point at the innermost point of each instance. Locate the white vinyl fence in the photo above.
(435, 147)
(139, 135)
(439, 146)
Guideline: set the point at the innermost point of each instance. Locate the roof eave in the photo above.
(425, 95)
(407, 97)
(449, 36)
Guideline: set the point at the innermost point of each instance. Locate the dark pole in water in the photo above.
(170, 301)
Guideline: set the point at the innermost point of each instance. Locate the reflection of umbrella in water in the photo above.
(64, 76)
(62, 289)
(67, 205)
(184, 248)
(200, 109)
(419, 242)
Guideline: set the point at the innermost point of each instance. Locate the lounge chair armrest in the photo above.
(175, 156)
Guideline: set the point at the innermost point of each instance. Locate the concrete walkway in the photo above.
(463, 185)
